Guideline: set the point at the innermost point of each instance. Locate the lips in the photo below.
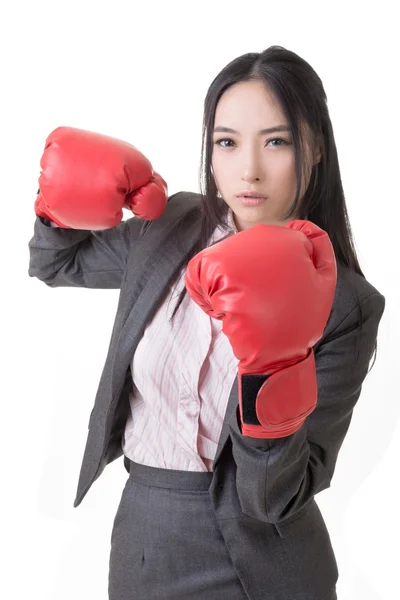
(250, 194)
(248, 201)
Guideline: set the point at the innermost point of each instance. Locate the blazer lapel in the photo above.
(156, 260)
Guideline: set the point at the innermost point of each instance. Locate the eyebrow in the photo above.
(221, 129)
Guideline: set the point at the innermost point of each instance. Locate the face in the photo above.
(246, 159)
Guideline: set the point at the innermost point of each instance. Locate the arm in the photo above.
(81, 258)
(86, 180)
(278, 477)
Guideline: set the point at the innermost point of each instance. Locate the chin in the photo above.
(253, 214)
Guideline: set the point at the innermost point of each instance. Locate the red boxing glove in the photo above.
(273, 288)
(87, 178)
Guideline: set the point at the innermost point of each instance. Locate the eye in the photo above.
(284, 142)
(221, 143)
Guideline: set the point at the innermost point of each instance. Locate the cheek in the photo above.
(221, 171)
(227, 166)
(285, 172)
(286, 164)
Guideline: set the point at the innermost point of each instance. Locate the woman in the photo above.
(244, 331)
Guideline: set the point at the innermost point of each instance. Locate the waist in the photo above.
(169, 478)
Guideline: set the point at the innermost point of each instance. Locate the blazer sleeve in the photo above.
(277, 478)
(81, 258)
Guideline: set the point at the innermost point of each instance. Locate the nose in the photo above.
(250, 179)
(251, 168)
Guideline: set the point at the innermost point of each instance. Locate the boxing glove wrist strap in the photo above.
(276, 405)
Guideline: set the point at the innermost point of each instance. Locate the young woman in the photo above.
(244, 331)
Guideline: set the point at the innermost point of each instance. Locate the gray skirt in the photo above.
(166, 543)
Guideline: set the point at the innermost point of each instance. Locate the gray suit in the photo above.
(262, 490)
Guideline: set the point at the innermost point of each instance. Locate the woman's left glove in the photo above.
(273, 288)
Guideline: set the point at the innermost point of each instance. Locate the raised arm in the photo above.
(86, 180)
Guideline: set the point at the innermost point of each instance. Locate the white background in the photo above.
(139, 71)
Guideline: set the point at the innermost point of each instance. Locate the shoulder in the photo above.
(179, 205)
(352, 287)
(191, 198)
(185, 199)
(356, 300)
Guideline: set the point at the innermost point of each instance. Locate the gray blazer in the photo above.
(262, 490)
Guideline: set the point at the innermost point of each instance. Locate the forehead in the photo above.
(249, 102)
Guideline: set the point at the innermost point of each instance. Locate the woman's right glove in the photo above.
(87, 179)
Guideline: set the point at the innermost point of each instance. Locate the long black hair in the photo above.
(302, 98)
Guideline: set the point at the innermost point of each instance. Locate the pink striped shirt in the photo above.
(182, 377)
